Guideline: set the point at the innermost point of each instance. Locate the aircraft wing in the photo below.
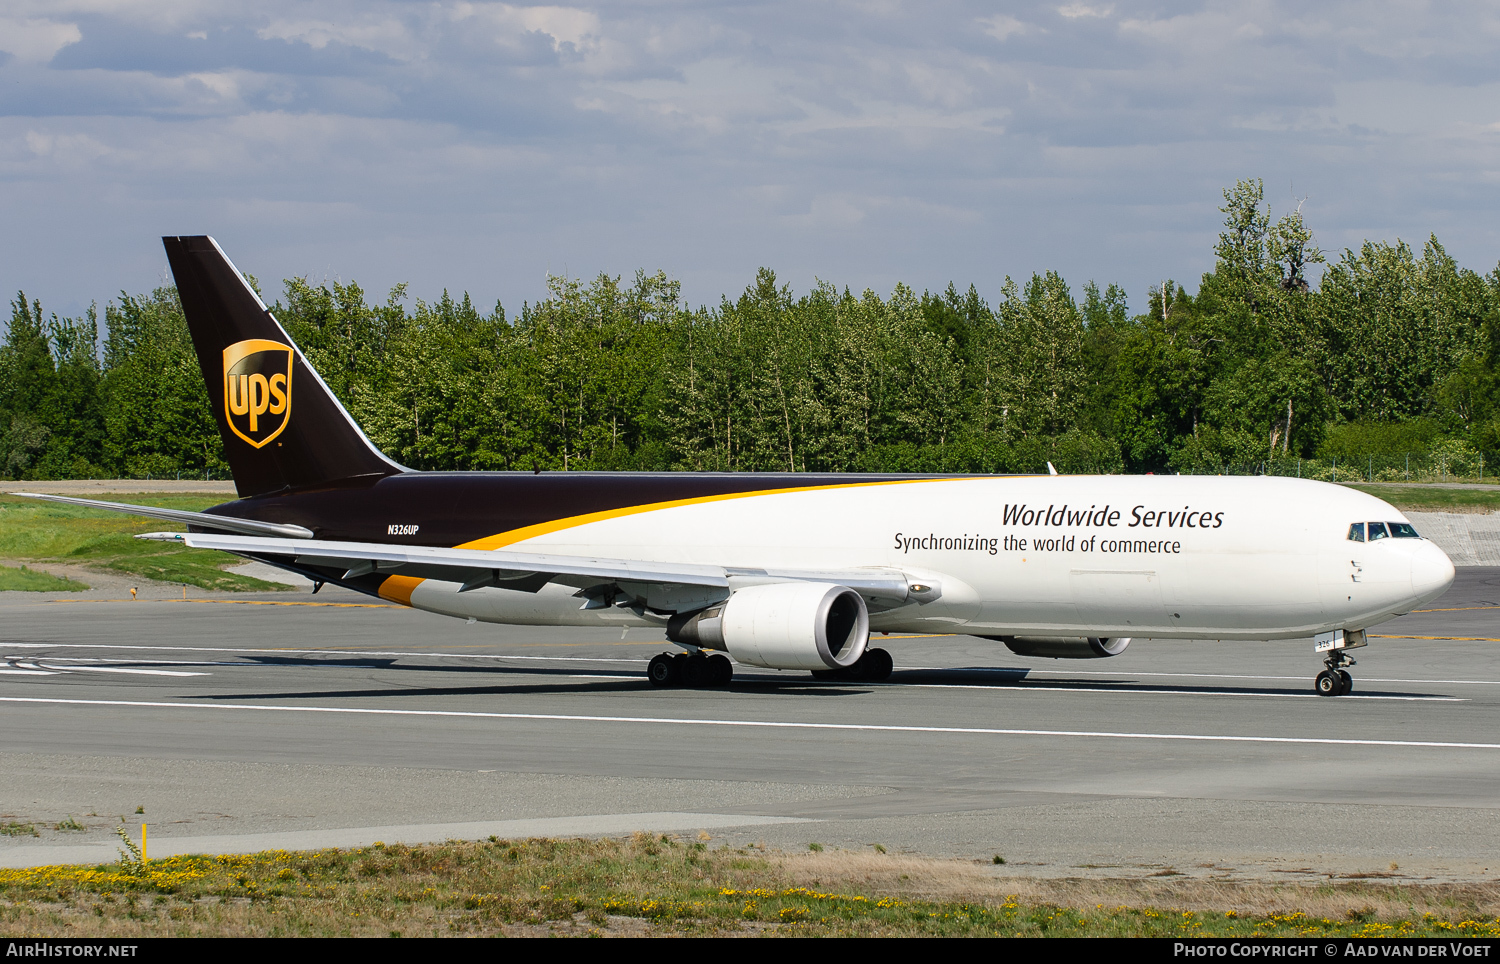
(664, 587)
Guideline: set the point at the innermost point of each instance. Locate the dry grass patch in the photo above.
(653, 884)
(948, 880)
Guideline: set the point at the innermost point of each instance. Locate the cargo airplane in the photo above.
(785, 571)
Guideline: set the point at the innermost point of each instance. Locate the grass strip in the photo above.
(54, 532)
(1420, 498)
(26, 579)
(648, 884)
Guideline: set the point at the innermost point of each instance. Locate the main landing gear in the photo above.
(873, 666)
(1335, 680)
(696, 671)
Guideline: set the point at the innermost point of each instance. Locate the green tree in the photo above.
(156, 407)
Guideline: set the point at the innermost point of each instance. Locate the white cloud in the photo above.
(568, 25)
(225, 84)
(163, 14)
(383, 34)
(939, 85)
(410, 34)
(64, 153)
(1075, 11)
(36, 40)
(1003, 27)
(834, 211)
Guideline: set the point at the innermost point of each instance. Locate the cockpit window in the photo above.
(1359, 531)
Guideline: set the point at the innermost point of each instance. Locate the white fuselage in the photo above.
(1140, 556)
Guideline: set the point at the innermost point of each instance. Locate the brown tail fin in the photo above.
(282, 427)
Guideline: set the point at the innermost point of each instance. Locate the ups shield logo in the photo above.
(258, 389)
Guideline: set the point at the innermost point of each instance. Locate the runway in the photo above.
(248, 722)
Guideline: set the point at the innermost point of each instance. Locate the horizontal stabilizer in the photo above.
(206, 520)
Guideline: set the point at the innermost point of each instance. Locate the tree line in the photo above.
(1392, 355)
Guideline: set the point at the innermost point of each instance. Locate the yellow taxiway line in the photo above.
(1477, 639)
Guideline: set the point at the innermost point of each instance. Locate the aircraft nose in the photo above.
(1431, 572)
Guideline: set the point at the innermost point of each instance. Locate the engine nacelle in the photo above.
(1065, 647)
(786, 625)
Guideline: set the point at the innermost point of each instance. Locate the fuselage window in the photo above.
(1403, 530)
(1357, 532)
(1377, 530)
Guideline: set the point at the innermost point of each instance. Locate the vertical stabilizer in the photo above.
(282, 427)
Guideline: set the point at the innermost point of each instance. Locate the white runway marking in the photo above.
(1121, 673)
(64, 665)
(288, 651)
(758, 724)
(71, 660)
(1157, 692)
(71, 668)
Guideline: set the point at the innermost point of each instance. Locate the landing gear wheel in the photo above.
(1335, 680)
(877, 664)
(695, 672)
(720, 670)
(662, 670)
(873, 666)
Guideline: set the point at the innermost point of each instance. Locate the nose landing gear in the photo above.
(1335, 680)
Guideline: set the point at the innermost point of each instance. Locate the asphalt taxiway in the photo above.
(291, 720)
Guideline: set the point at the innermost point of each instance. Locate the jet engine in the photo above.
(1065, 647)
(786, 625)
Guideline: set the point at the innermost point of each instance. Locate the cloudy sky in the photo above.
(480, 146)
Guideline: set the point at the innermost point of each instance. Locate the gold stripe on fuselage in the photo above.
(503, 539)
(399, 588)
